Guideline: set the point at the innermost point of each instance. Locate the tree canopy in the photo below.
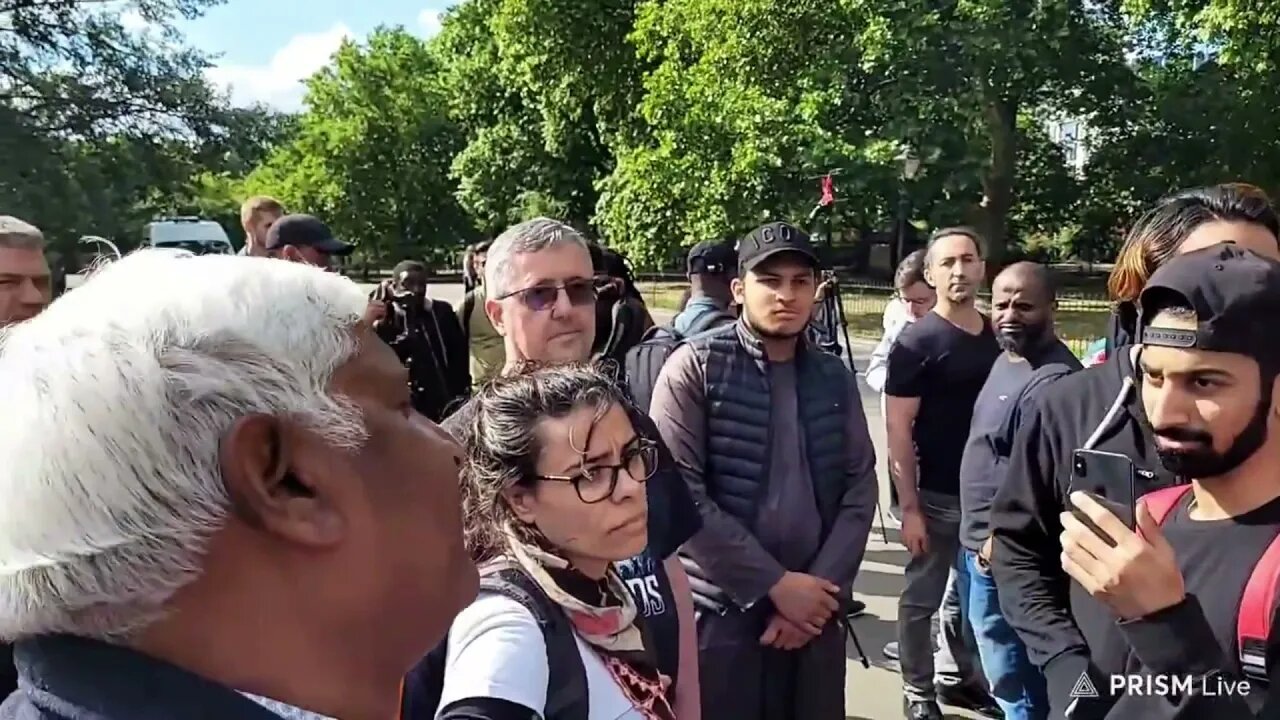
(654, 124)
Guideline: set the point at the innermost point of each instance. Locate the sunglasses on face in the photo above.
(541, 297)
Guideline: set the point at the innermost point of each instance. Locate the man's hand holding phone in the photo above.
(1133, 572)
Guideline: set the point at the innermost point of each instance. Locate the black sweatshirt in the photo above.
(1056, 619)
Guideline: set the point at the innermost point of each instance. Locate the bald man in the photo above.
(1022, 305)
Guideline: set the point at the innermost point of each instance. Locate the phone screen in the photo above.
(1110, 480)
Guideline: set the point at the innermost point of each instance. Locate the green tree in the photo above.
(373, 150)
(975, 67)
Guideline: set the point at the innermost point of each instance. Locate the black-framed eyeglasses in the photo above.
(541, 297)
(597, 484)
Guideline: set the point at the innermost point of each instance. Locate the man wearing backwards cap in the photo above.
(770, 436)
(1209, 365)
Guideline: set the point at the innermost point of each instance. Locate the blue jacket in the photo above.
(70, 678)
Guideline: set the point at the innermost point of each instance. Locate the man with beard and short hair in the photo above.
(770, 435)
(541, 297)
(936, 370)
(1022, 302)
(426, 335)
(1098, 409)
(1183, 586)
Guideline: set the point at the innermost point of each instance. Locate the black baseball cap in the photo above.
(712, 258)
(1232, 291)
(772, 239)
(305, 231)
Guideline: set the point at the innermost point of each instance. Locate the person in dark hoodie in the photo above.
(1097, 408)
(217, 502)
(1176, 583)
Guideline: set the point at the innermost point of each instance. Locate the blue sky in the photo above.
(264, 48)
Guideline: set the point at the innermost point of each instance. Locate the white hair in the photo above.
(115, 401)
(19, 234)
(530, 236)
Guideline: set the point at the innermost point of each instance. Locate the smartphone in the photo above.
(1111, 480)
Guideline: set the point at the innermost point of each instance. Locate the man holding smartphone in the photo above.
(1098, 408)
(1184, 584)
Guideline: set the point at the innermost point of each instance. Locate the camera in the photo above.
(1081, 466)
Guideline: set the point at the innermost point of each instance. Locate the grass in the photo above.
(1080, 321)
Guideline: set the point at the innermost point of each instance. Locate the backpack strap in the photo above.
(567, 677)
(1257, 607)
(1162, 502)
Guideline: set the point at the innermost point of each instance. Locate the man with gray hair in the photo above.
(214, 511)
(25, 284)
(541, 298)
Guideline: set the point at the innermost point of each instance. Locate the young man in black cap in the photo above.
(1193, 585)
(305, 239)
(770, 436)
(712, 266)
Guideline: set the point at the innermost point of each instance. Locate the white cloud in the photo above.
(133, 21)
(279, 82)
(429, 21)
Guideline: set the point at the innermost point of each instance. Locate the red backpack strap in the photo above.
(1161, 502)
(1257, 608)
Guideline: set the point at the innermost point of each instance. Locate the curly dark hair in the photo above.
(498, 431)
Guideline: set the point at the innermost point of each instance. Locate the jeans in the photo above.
(926, 584)
(1017, 685)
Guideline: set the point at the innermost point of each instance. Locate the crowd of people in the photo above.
(242, 487)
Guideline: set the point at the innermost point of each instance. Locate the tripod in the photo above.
(833, 311)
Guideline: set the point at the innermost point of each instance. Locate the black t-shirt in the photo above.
(945, 367)
(1217, 558)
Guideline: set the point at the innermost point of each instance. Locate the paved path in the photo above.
(875, 693)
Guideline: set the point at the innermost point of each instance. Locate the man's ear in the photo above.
(493, 309)
(280, 481)
(739, 290)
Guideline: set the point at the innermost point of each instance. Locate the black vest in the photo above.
(738, 432)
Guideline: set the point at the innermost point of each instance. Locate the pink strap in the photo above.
(1161, 502)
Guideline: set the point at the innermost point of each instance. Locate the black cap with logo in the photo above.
(305, 231)
(712, 258)
(1233, 292)
(772, 239)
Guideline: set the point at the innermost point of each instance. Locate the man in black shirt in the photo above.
(1022, 311)
(1209, 369)
(936, 370)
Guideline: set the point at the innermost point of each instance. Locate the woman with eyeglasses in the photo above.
(553, 495)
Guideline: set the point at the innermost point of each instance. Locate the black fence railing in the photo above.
(1081, 317)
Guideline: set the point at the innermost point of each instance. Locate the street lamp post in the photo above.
(909, 168)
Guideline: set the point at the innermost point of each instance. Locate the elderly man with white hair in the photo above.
(216, 500)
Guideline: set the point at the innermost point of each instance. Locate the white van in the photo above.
(200, 237)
